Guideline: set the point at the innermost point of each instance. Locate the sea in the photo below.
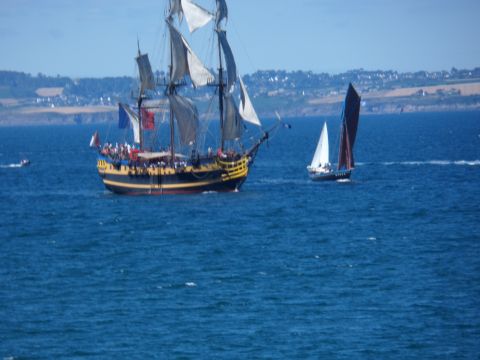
(385, 266)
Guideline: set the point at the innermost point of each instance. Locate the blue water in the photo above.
(384, 267)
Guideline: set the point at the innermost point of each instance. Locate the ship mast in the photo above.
(171, 91)
(139, 103)
(220, 93)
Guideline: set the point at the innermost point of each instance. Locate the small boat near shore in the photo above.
(320, 168)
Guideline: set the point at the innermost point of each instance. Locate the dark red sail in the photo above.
(351, 113)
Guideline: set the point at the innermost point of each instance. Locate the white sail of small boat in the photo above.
(321, 157)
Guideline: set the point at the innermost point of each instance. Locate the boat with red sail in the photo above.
(320, 168)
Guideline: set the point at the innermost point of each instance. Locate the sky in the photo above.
(98, 38)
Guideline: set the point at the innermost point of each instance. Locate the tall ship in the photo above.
(184, 164)
(320, 168)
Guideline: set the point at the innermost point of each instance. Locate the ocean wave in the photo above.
(425, 162)
(281, 181)
(469, 163)
(10, 166)
(434, 162)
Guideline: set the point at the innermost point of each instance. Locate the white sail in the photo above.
(198, 72)
(247, 112)
(134, 121)
(195, 15)
(229, 59)
(95, 141)
(186, 62)
(320, 158)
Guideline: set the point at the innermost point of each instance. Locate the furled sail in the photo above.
(187, 117)
(222, 11)
(176, 9)
(321, 153)
(186, 62)
(351, 113)
(133, 120)
(247, 112)
(233, 124)
(195, 15)
(146, 75)
(229, 59)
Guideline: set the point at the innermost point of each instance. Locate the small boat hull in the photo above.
(330, 176)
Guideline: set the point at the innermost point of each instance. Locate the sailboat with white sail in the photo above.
(320, 163)
(182, 165)
(320, 167)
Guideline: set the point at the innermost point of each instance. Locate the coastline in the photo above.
(450, 97)
(90, 116)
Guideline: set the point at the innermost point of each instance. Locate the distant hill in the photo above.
(298, 93)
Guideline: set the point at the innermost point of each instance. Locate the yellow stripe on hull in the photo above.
(161, 186)
(189, 178)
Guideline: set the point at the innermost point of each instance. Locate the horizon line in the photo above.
(256, 71)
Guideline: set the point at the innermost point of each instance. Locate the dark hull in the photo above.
(331, 176)
(177, 186)
(217, 176)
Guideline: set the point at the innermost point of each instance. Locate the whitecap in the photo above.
(281, 181)
(435, 162)
(412, 163)
(190, 284)
(439, 162)
(467, 162)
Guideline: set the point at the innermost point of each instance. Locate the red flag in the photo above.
(148, 120)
